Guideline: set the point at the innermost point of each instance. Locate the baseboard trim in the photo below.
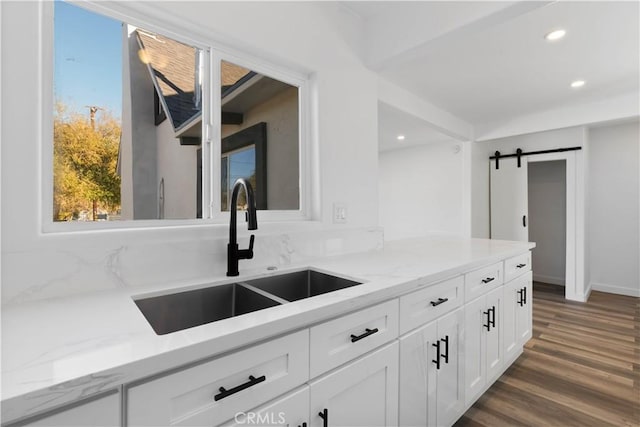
(614, 289)
(548, 279)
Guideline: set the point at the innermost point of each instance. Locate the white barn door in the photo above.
(509, 199)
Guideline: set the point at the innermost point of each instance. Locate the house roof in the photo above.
(173, 66)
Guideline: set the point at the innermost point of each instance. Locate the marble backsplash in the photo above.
(36, 274)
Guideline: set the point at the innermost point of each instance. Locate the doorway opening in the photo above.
(547, 193)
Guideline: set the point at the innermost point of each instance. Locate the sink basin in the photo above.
(182, 310)
(174, 312)
(301, 284)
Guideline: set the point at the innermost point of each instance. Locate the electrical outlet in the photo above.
(339, 213)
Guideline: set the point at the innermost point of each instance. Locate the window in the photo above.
(131, 109)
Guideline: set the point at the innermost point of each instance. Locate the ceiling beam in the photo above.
(408, 33)
(442, 121)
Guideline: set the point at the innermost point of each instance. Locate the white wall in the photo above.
(421, 190)
(310, 37)
(614, 208)
(547, 219)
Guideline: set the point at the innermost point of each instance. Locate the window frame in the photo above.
(213, 52)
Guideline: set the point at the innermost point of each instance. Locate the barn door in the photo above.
(509, 200)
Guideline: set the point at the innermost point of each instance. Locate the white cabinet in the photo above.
(342, 339)
(213, 392)
(361, 393)
(420, 307)
(292, 410)
(517, 315)
(483, 342)
(100, 412)
(431, 377)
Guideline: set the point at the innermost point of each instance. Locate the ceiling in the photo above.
(393, 122)
(488, 62)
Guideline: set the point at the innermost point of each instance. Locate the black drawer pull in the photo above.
(488, 279)
(325, 417)
(437, 359)
(368, 332)
(521, 265)
(440, 301)
(226, 393)
(493, 316)
(445, 355)
(488, 324)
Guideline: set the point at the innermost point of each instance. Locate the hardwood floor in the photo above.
(581, 368)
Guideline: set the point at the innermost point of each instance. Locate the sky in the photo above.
(87, 59)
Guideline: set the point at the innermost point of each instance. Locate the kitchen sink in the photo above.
(301, 284)
(174, 312)
(182, 310)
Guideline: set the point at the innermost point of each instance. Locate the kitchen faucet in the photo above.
(233, 253)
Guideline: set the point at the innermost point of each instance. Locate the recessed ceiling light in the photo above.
(555, 35)
(577, 83)
(400, 137)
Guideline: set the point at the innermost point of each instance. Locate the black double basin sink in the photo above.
(182, 310)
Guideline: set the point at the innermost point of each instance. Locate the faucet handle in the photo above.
(247, 253)
(251, 239)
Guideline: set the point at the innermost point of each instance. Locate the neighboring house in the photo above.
(160, 152)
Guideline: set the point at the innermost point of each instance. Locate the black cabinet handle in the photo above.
(226, 393)
(525, 294)
(521, 297)
(437, 359)
(521, 265)
(488, 279)
(440, 301)
(368, 332)
(493, 316)
(488, 324)
(445, 355)
(524, 220)
(325, 417)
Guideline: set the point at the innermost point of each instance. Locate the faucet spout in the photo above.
(233, 253)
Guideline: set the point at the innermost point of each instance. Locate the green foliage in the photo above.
(85, 158)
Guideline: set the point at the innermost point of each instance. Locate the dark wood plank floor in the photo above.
(581, 368)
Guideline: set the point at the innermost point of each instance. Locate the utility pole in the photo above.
(93, 109)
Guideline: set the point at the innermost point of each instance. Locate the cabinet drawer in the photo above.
(340, 340)
(194, 397)
(480, 281)
(514, 267)
(420, 307)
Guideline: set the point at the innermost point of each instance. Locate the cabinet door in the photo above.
(362, 393)
(475, 320)
(104, 411)
(418, 377)
(494, 338)
(510, 300)
(450, 385)
(524, 312)
(289, 411)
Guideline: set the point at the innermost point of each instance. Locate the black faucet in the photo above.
(233, 253)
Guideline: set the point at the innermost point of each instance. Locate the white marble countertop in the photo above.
(58, 350)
